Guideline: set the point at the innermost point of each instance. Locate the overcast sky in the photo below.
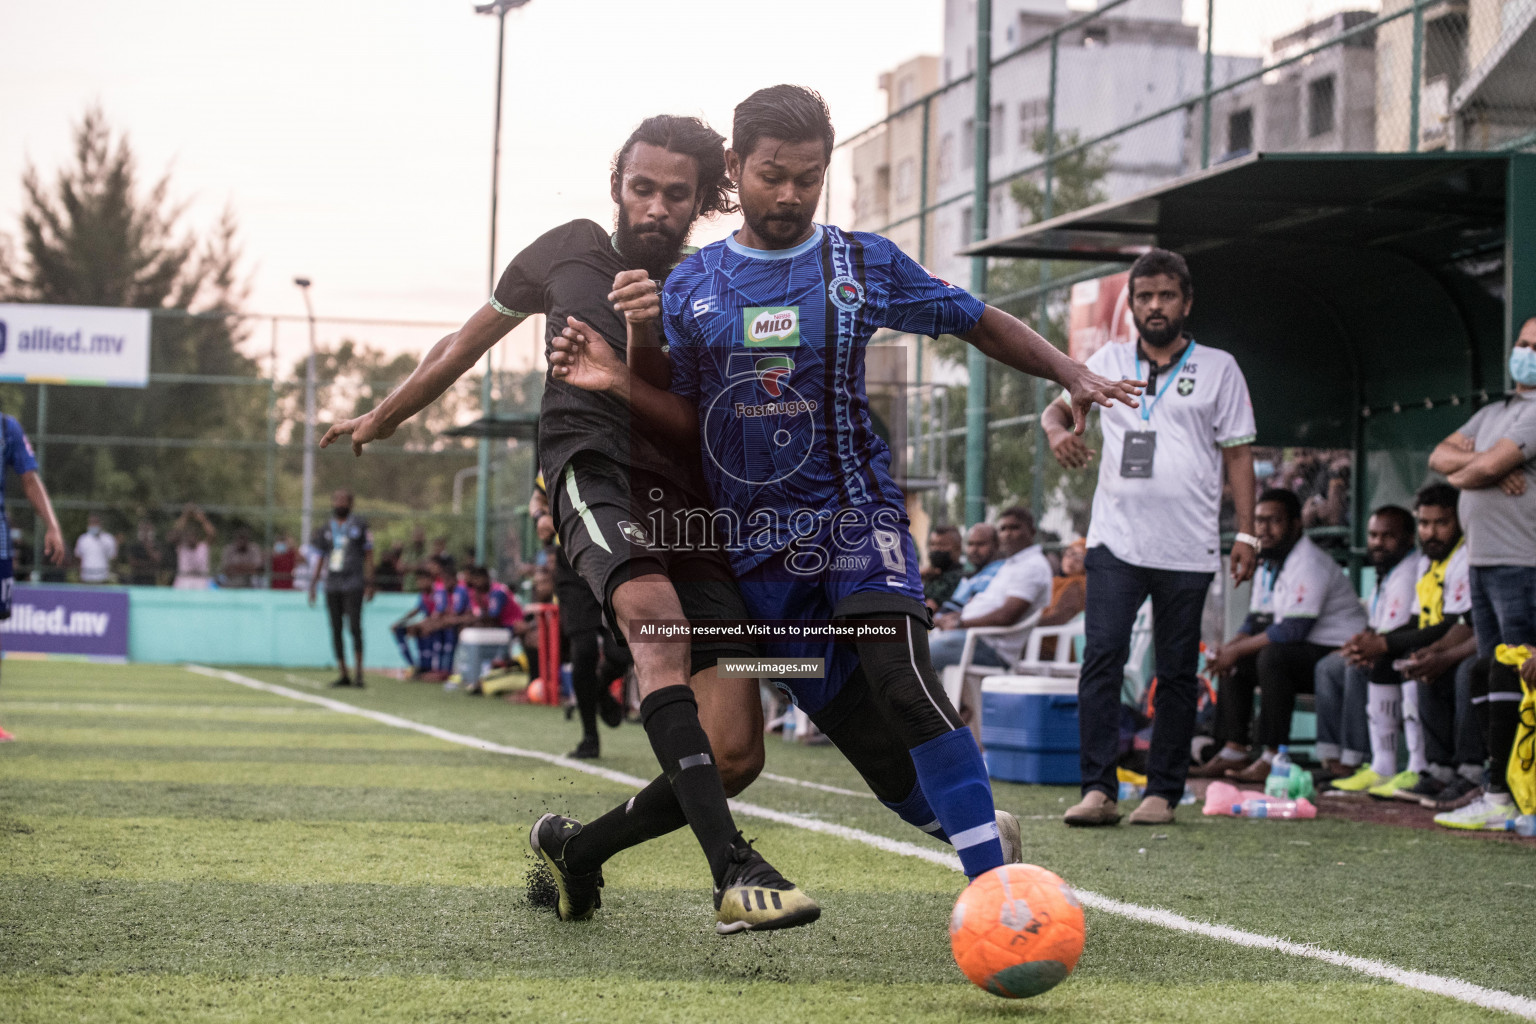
(353, 139)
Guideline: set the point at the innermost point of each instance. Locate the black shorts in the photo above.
(606, 514)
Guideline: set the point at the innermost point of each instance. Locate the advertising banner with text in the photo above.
(99, 345)
(67, 620)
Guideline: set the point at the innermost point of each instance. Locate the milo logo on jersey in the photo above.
(771, 326)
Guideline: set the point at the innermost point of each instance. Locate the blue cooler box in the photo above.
(1029, 729)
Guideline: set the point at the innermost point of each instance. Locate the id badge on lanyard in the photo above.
(1139, 452)
(338, 550)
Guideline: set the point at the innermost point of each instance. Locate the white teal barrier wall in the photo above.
(275, 628)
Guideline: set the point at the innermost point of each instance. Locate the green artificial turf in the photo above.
(175, 847)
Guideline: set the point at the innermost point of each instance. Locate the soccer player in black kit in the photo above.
(605, 479)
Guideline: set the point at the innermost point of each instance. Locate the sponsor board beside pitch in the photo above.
(66, 620)
(99, 345)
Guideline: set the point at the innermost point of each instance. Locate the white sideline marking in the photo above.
(771, 777)
(1451, 988)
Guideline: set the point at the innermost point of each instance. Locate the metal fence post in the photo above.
(1205, 99)
(975, 362)
(270, 513)
(40, 446)
(1039, 392)
(1416, 85)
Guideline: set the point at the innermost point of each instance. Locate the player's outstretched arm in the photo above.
(448, 360)
(580, 357)
(1004, 338)
(53, 536)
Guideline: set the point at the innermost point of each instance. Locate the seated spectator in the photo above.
(440, 631)
(94, 551)
(1021, 585)
(1457, 680)
(1443, 595)
(1342, 737)
(192, 533)
(242, 561)
(1069, 594)
(945, 569)
(144, 555)
(982, 554)
(1303, 607)
(414, 646)
(285, 559)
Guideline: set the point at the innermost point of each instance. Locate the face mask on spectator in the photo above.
(1522, 366)
(93, 530)
(279, 548)
(941, 560)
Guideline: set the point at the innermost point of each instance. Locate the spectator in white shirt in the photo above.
(1343, 739)
(1021, 585)
(94, 551)
(1311, 610)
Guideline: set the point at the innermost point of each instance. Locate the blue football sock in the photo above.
(403, 642)
(954, 777)
(914, 810)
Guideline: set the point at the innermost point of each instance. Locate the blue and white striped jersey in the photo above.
(770, 345)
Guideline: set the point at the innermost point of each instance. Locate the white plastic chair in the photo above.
(956, 676)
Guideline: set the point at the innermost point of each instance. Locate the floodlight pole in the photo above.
(306, 516)
(487, 400)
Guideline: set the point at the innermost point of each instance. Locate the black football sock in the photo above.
(649, 814)
(671, 719)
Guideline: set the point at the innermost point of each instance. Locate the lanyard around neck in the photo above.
(1146, 407)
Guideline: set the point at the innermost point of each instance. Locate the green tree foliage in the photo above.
(95, 234)
(1077, 182)
(413, 471)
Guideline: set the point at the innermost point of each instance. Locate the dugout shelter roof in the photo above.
(1370, 298)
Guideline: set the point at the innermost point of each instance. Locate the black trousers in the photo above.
(1279, 672)
(345, 605)
(1116, 590)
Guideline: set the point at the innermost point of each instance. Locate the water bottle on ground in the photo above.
(1269, 807)
(1279, 782)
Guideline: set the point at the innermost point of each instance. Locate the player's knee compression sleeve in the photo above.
(903, 680)
(954, 778)
(671, 719)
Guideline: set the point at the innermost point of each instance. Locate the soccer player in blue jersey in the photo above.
(16, 454)
(767, 333)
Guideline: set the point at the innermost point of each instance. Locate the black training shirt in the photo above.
(569, 271)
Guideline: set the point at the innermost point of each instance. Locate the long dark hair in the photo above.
(789, 113)
(688, 136)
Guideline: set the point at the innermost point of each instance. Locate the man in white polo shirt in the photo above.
(1020, 587)
(1153, 530)
(94, 550)
(1312, 610)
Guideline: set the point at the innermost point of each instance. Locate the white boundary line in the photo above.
(823, 787)
(1451, 988)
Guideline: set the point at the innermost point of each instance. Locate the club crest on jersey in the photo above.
(846, 293)
(771, 326)
(1186, 385)
(771, 370)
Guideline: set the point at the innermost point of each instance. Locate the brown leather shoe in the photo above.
(1217, 767)
(1096, 808)
(1256, 772)
(1154, 810)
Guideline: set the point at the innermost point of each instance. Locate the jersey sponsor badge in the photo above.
(771, 370)
(846, 293)
(1186, 385)
(771, 326)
